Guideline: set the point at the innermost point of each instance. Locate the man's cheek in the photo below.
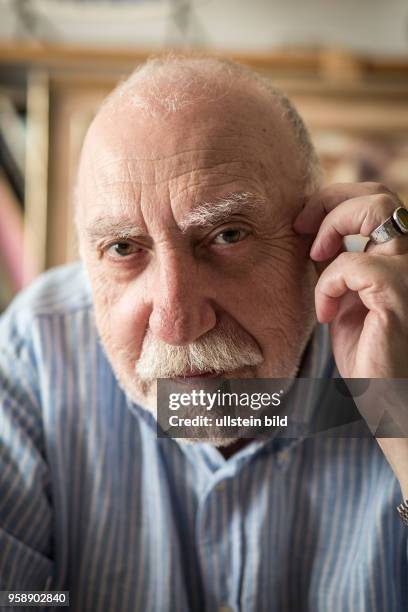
(273, 282)
(124, 333)
(128, 324)
(279, 294)
(113, 316)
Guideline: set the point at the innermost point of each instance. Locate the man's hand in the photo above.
(363, 296)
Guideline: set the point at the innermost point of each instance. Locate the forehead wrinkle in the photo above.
(155, 170)
(119, 160)
(128, 176)
(102, 186)
(211, 212)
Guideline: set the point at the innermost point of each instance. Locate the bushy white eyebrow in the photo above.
(219, 210)
(113, 227)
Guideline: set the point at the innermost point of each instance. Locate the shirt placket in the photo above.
(219, 543)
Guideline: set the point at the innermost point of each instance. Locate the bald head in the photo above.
(170, 103)
(174, 83)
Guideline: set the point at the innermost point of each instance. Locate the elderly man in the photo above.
(197, 198)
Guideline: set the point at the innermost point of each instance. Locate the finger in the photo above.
(381, 285)
(395, 246)
(349, 320)
(322, 202)
(359, 215)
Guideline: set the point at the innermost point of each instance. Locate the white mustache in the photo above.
(220, 350)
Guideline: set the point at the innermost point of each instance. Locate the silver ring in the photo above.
(393, 227)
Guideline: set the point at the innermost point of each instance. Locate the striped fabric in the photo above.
(92, 502)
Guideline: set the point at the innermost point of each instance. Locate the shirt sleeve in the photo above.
(25, 500)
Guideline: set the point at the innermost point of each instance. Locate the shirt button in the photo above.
(220, 487)
(283, 456)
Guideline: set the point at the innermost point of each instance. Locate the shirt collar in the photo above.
(317, 363)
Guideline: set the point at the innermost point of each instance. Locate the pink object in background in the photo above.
(19, 269)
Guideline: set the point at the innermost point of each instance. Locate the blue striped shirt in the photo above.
(91, 501)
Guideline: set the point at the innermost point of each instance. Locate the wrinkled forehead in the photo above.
(199, 148)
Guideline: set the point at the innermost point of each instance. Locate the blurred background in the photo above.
(344, 64)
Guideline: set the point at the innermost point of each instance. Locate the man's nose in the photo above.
(182, 309)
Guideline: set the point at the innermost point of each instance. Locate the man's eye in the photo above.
(122, 249)
(230, 236)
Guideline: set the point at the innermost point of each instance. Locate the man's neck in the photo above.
(228, 451)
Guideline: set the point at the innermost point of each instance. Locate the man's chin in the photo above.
(144, 392)
(196, 378)
(149, 403)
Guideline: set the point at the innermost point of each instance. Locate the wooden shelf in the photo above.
(325, 63)
(364, 99)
